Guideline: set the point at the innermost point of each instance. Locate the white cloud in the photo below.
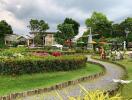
(117, 13)
(19, 12)
(12, 20)
(18, 6)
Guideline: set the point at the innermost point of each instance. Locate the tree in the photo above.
(117, 31)
(39, 27)
(34, 25)
(99, 24)
(75, 24)
(65, 32)
(43, 26)
(126, 25)
(5, 28)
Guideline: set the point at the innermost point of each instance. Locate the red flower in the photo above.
(56, 54)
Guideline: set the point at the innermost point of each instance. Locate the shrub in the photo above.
(56, 54)
(29, 65)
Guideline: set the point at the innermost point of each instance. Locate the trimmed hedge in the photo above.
(29, 65)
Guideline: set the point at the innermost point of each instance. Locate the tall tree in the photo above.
(5, 28)
(39, 27)
(99, 24)
(34, 25)
(75, 24)
(126, 25)
(117, 30)
(65, 32)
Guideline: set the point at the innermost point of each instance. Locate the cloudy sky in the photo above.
(18, 12)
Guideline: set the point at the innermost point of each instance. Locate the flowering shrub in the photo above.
(56, 54)
(27, 65)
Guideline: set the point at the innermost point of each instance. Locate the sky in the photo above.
(19, 12)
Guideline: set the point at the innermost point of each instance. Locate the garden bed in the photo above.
(32, 64)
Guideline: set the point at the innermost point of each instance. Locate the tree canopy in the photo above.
(67, 30)
(99, 24)
(5, 28)
(39, 27)
(75, 24)
(117, 30)
(127, 24)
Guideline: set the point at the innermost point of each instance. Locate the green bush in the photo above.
(30, 65)
(83, 50)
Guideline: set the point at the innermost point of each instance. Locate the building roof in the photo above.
(14, 37)
(43, 32)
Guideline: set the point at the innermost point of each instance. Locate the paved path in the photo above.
(104, 83)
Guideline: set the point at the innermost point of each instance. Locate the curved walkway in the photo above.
(104, 83)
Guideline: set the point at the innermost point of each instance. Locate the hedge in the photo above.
(30, 65)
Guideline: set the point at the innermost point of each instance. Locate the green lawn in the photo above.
(10, 84)
(127, 90)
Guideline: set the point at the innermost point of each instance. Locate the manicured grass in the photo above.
(127, 89)
(9, 84)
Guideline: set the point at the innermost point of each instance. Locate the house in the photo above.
(11, 39)
(48, 39)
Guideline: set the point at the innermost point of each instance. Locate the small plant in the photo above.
(56, 54)
(19, 55)
(93, 95)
